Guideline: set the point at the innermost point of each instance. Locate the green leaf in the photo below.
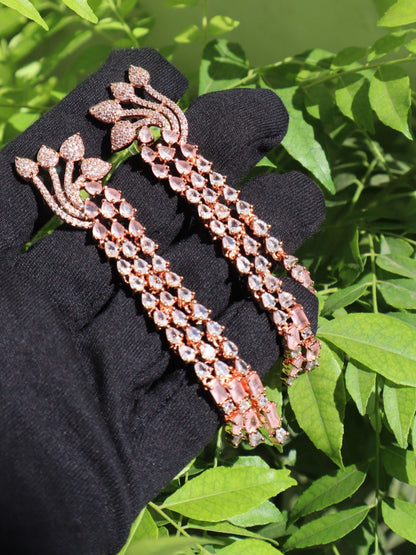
(221, 528)
(180, 3)
(263, 514)
(251, 460)
(221, 493)
(348, 56)
(389, 95)
(328, 490)
(318, 102)
(351, 97)
(408, 318)
(223, 64)
(400, 293)
(360, 382)
(143, 527)
(387, 44)
(171, 545)
(397, 264)
(300, 140)
(411, 46)
(400, 463)
(312, 397)
(400, 516)
(399, 407)
(328, 528)
(82, 8)
(191, 33)
(380, 342)
(396, 246)
(249, 547)
(344, 297)
(403, 12)
(220, 24)
(27, 9)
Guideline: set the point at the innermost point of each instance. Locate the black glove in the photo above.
(97, 413)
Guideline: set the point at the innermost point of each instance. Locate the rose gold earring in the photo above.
(245, 238)
(191, 333)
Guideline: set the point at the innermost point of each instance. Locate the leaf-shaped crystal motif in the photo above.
(138, 76)
(26, 168)
(95, 168)
(122, 91)
(47, 157)
(123, 133)
(108, 111)
(73, 148)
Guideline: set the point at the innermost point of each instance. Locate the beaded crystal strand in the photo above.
(245, 238)
(190, 332)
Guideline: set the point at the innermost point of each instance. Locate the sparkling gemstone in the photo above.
(229, 244)
(145, 135)
(112, 195)
(107, 209)
(126, 210)
(230, 194)
(159, 264)
(203, 165)
(193, 334)
(166, 153)
(281, 435)
(202, 370)
(243, 208)
(306, 332)
(169, 136)
(192, 196)
(289, 261)
(242, 367)
(221, 211)
(228, 407)
(243, 264)
(302, 275)
(189, 151)
(204, 212)
(149, 301)
(111, 249)
(138, 76)
(155, 283)
(108, 111)
(272, 283)
(179, 318)
(209, 195)
(160, 170)
(259, 227)
(183, 167)
(310, 365)
(177, 184)
(160, 318)
(137, 283)
(90, 209)
(234, 226)
(262, 401)
(94, 168)
(47, 157)
(299, 317)
(218, 391)
(214, 329)
(207, 351)
(167, 299)
(117, 230)
(99, 231)
(122, 91)
(261, 264)
(173, 336)
(185, 295)
(292, 337)
(186, 353)
(172, 279)
(123, 267)
(268, 301)
(26, 168)
(313, 350)
(273, 245)
(122, 134)
(148, 154)
(255, 439)
(285, 299)
(255, 385)
(93, 188)
(250, 245)
(297, 361)
(251, 422)
(200, 312)
(197, 180)
(279, 317)
(73, 148)
(216, 179)
(237, 391)
(222, 370)
(135, 228)
(230, 349)
(141, 266)
(254, 283)
(245, 405)
(148, 246)
(217, 227)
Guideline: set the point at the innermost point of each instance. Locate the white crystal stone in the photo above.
(167, 299)
(230, 349)
(250, 245)
(202, 370)
(221, 211)
(268, 301)
(126, 210)
(137, 283)
(255, 438)
(244, 405)
(272, 283)
(204, 212)
(242, 366)
(172, 279)
(192, 196)
(123, 267)
(185, 294)
(200, 312)
(173, 336)
(228, 407)
(197, 180)
(259, 227)
(286, 299)
(254, 283)
(186, 353)
(279, 317)
(209, 195)
(193, 334)
(160, 318)
(230, 194)
(261, 264)
(203, 165)
(228, 243)
(129, 249)
(111, 249)
(289, 261)
(148, 246)
(235, 226)
(281, 434)
(217, 227)
(243, 264)
(243, 208)
(207, 351)
(273, 245)
(159, 264)
(214, 328)
(222, 370)
(216, 179)
(179, 318)
(149, 301)
(141, 266)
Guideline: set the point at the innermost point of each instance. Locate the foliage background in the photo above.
(346, 480)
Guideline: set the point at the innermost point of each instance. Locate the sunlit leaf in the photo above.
(249, 547)
(351, 97)
(190, 33)
(143, 527)
(263, 514)
(172, 545)
(82, 8)
(360, 382)
(397, 264)
(400, 293)
(348, 56)
(223, 64)
(399, 407)
(400, 516)
(27, 9)
(344, 297)
(387, 44)
(402, 12)
(221, 24)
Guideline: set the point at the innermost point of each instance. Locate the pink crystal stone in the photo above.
(299, 317)
(255, 385)
(302, 274)
(112, 195)
(117, 230)
(237, 391)
(93, 187)
(91, 209)
(189, 151)
(148, 155)
(166, 153)
(126, 210)
(99, 231)
(251, 421)
(160, 170)
(272, 416)
(145, 135)
(107, 209)
(292, 338)
(183, 167)
(218, 391)
(313, 349)
(135, 228)
(197, 180)
(170, 136)
(177, 184)
(238, 422)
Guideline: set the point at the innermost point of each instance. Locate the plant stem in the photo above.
(121, 19)
(373, 271)
(377, 463)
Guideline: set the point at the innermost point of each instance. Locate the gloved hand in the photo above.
(97, 413)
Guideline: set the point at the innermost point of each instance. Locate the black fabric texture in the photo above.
(97, 415)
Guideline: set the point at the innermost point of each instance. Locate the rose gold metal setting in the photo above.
(245, 238)
(189, 330)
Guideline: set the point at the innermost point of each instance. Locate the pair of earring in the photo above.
(235, 387)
